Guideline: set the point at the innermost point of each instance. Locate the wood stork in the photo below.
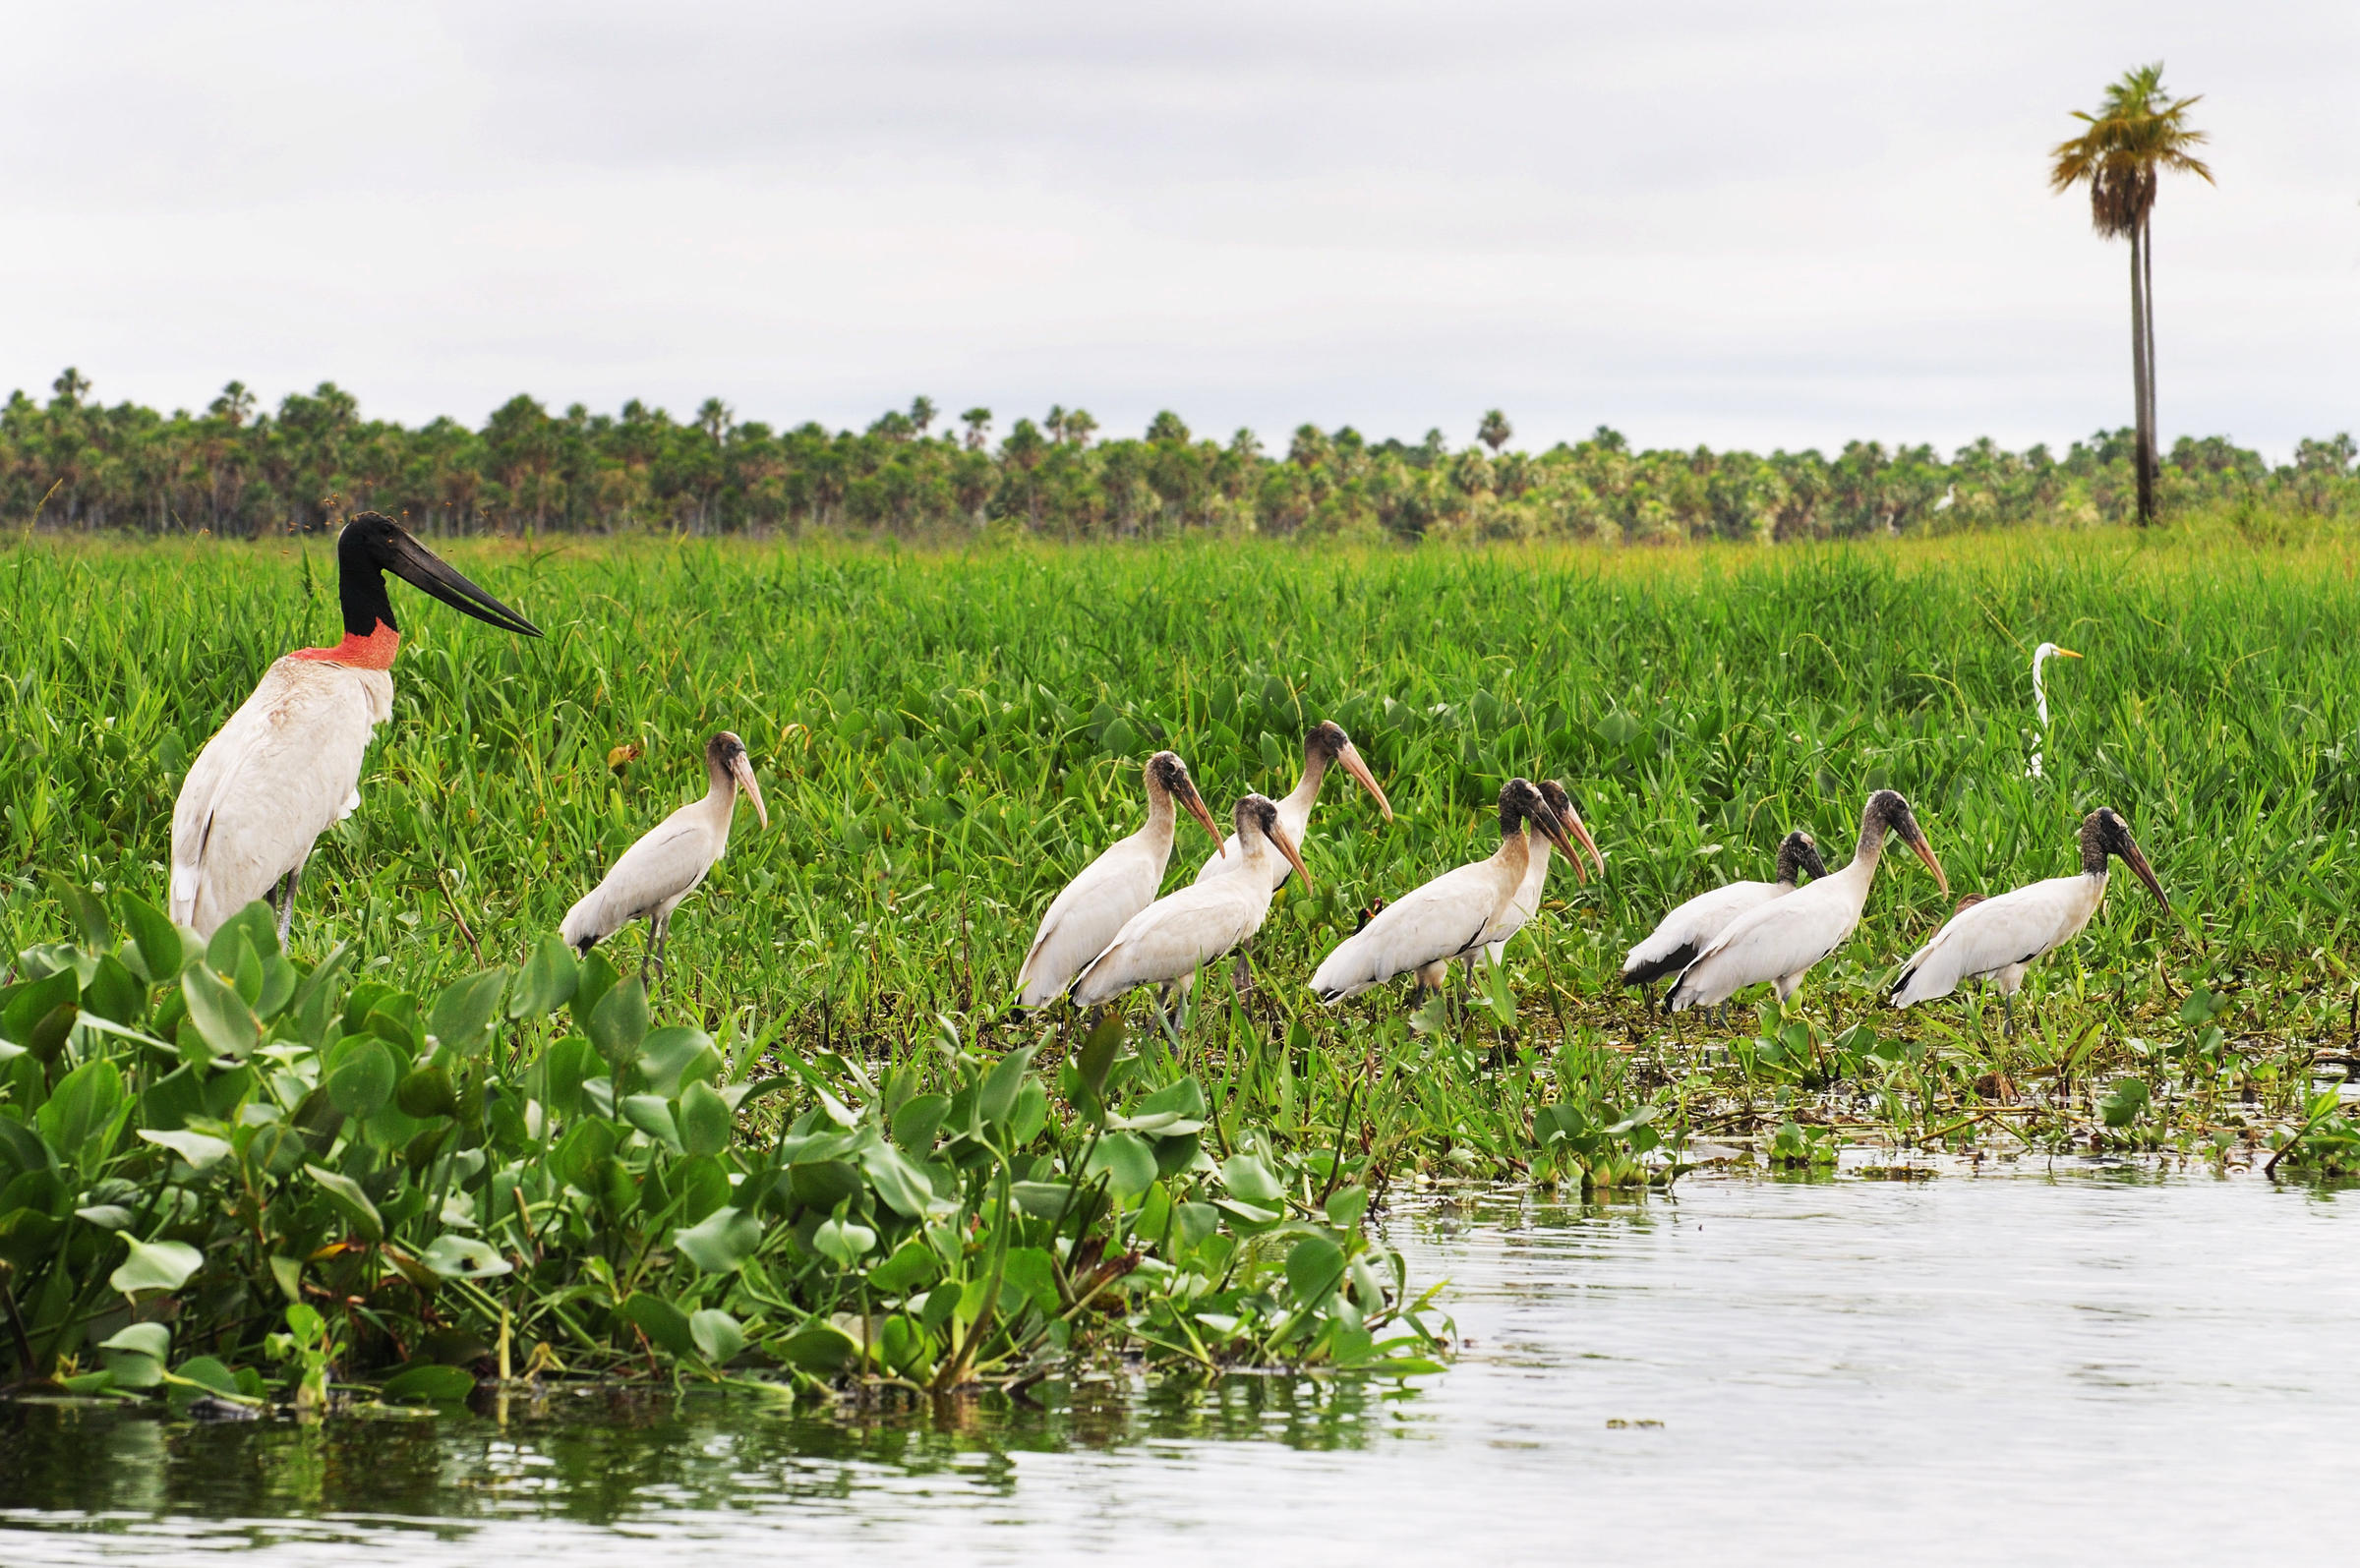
(649, 880)
(1083, 918)
(1690, 928)
(1527, 901)
(1326, 745)
(1779, 940)
(287, 766)
(1178, 934)
(1999, 938)
(1456, 915)
(2040, 656)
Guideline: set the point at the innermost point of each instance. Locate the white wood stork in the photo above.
(1326, 745)
(1085, 917)
(1779, 940)
(287, 766)
(649, 880)
(1456, 915)
(2040, 656)
(1999, 938)
(1178, 934)
(1691, 927)
(1527, 901)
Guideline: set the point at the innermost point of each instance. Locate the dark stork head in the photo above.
(1521, 803)
(371, 545)
(1887, 812)
(1259, 814)
(1560, 801)
(1327, 743)
(2103, 834)
(726, 764)
(1798, 852)
(1168, 775)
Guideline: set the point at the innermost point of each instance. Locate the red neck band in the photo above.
(372, 652)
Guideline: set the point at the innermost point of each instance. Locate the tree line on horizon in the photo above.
(234, 469)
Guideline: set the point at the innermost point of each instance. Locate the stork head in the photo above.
(1327, 743)
(1560, 801)
(1257, 816)
(727, 762)
(2103, 834)
(372, 545)
(1887, 812)
(1798, 852)
(1167, 773)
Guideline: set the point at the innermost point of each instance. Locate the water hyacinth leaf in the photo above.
(2124, 1101)
(547, 981)
(465, 1011)
(1315, 1267)
(705, 1121)
(253, 929)
(1043, 1199)
(427, 1093)
(817, 1347)
(279, 979)
(999, 1089)
(361, 1075)
(1097, 1057)
(90, 924)
(39, 1015)
(113, 993)
(564, 1068)
(345, 1194)
(1128, 1161)
(913, 1266)
(722, 1241)
(899, 1183)
(463, 1258)
(717, 1335)
(429, 1384)
(1346, 1205)
(157, 940)
(155, 1267)
(843, 1242)
(136, 1354)
(220, 1016)
(619, 1024)
(108, 1216)
(918, 1121)
(591, 985)
(1247, 1177)
(1030, 1115)
(200, 1150)
(207, 1376)
(675, 1053)
(1027, 1275)
(652, 1114)
(822, 1184)
(578, 1155)
(78, 1118)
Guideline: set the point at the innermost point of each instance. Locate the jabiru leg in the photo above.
(283, 895)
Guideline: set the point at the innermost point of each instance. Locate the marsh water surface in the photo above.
(2029, 1364)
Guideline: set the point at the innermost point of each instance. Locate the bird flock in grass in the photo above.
(286, 768)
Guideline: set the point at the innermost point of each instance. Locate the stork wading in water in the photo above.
(287, 766)
(651, 878)
(1693, 927)
(1180, 933)
(1327, 746)
(1779, 940)
(2041, 656)
(1527, 900)
(1455, 915)
(1999, 938)
(1086, 916)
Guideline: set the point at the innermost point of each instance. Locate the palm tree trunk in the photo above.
(2147, 263)
(2141, 450)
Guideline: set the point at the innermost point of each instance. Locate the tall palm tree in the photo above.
(2139, 133)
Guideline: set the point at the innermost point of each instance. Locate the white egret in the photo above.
(1178, 934)
(1085, 917)
(287, 765)
(2040, 656)
(1458, 913)
(651, 878)
(1691, 927)
(1999, 938)
(1779, 940)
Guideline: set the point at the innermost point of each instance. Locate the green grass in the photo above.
(945, 738)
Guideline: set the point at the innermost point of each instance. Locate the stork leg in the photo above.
(284, 897)
(654, 960)
(1241, 973)
(2007, 1000)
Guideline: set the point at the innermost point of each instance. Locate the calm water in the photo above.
(2026, 1367)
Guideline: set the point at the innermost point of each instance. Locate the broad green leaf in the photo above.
(1030, 1115)
(1315, 1267)
(721, 1241)
(1097, 1057)
(844, 1242)
(350, 1202)
(1129, 1162)
(463, 1258)
(79, 1118)
(1346, 1205)
(547, 981)
(1043, 1199)
(221, 1017)
(427, 1093)
(155, 1267)
(816, 1347)
(899, 1183)
(918, 1121)
(717, 1334)
(1027, 1275)
(564, 1068)
(253, 926)
(113, 993)
(361, 1075)
(465, 1013)
(999, 1089)
(619, 1024)
(652, 1114)
(158, 941)
(200, 1150)
(675, 1053)
(135, 1354)
(705, 1120)
(597, 979)
(1248, 1178)
(429, 1384)
(912, 1267)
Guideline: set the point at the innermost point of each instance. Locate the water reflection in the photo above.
(1981, 1365)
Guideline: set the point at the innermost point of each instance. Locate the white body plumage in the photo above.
(1173, 937)
(649, 880)
(2001, 937)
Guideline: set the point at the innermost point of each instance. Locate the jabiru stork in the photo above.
(1779, 940)
(651, 878)
(1999, 938)
(287, 765)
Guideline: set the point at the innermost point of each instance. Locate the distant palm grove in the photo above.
(73, 462)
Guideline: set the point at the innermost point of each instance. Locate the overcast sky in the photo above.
(1742, 224)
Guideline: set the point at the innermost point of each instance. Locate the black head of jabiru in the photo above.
(373, 545)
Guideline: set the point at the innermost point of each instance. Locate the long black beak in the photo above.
(422, 568)
(2146, 873)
